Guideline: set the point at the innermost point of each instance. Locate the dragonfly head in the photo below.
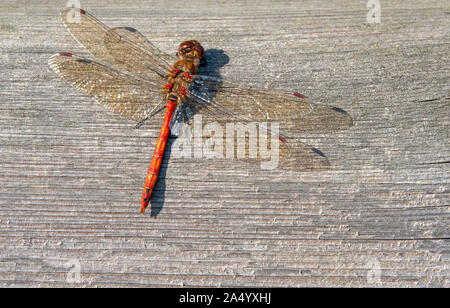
(193, 51)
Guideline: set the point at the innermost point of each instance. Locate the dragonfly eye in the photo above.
(192, 48)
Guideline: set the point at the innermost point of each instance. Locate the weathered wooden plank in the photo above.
(71, 173)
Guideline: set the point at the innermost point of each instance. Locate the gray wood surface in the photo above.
(71, 173)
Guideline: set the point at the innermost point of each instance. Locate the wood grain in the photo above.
(71, 173)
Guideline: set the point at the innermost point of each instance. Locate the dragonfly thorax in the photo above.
(179, 79)
(190, 54)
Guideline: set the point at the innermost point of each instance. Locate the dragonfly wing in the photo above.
(249, 142)
(89, 32)
(322, 119)
(124, 48)
(299, 156)
(125, 94)
(293, 111)
(224, 102)
(133, 52)
(177, 121)
(247, 103)
(291, 154)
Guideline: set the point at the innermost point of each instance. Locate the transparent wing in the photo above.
(134, 53)
(291, 154)
(125, 94)
(242, 103)
(226, 101)
(251, 144)
(124, 48)
(299, 156)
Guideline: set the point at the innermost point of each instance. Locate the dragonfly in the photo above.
(132, 77)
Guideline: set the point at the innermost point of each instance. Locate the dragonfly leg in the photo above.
(141, 122)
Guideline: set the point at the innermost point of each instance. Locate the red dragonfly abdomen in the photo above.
(153, 170)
